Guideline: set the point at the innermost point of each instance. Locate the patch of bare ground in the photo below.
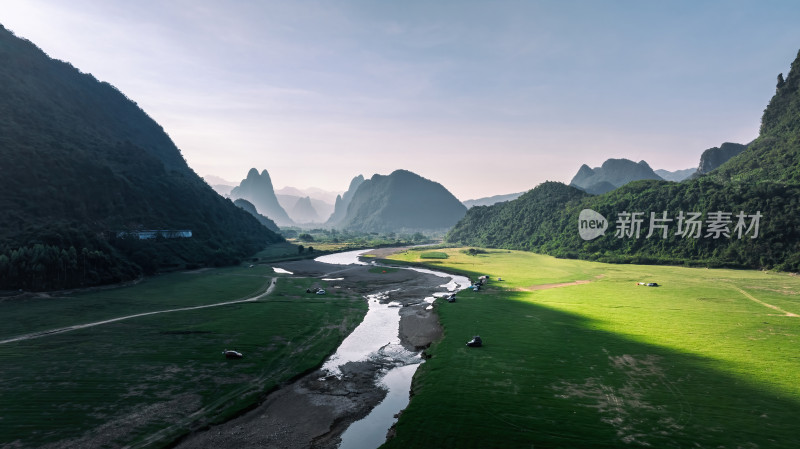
(549, 286)
(625, 408)
(119, 428)
(382, 253)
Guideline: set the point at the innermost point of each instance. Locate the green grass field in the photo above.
(145, 381)
(711, 358)
(433, 255)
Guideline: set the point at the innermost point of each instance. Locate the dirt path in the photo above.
(61, 330)
(754, 299)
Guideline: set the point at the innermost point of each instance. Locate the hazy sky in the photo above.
(485, 97)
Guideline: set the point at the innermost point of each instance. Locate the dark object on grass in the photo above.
(649, 284)
(451, 297)
(476, 342)
(231, 354)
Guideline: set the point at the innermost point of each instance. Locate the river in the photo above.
(377, 338)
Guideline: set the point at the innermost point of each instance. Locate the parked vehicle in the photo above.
(231, 354)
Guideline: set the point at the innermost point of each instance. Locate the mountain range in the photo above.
(615, 173)
(289, 198)
(746, 208)
(84, 171)
(305, 209)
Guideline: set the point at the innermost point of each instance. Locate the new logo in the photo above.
(591, 224)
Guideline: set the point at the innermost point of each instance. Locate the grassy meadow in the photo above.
(576, 354)
(147, 380)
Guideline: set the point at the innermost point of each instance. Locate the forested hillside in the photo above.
(80, 165)
(744, 214)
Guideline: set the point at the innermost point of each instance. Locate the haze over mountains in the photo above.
(249, 208)
(675, 176)
(612, 174)
(401, 201)
(289, 197)
(258, 190)
(488, 201)
(616, 173)
(343, 202)
(82, 164)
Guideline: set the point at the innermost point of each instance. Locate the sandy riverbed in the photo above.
(314, 410)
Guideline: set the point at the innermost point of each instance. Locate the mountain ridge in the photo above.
(258, 190)
(343, 201)
(402, 201)
(613, 173)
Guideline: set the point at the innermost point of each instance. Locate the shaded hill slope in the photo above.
(343, 201)
(713, 158)
(82, 163)
(402, 201)
(248, 206)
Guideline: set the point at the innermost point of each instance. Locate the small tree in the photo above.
(310, 249)
(300, 249)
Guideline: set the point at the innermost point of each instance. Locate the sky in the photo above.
(484, 97)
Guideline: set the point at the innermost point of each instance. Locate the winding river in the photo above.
(377, 338)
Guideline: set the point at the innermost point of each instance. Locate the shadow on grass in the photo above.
(546, 378)
(123, 383)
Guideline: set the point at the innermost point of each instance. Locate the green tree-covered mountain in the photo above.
(523, 223)
(402, 201)
(748, 208)
(81, 165)
(713, 158)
